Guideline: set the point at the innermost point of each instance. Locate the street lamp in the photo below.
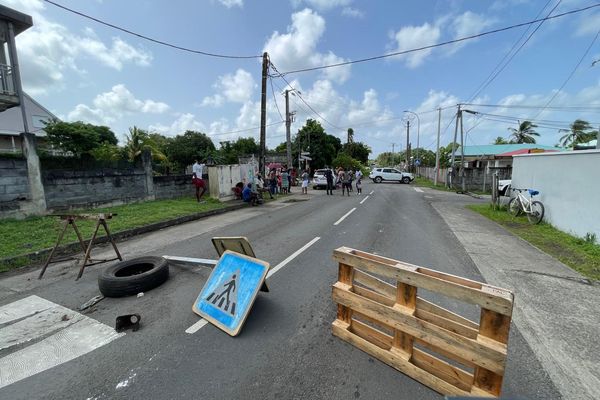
(418, 128)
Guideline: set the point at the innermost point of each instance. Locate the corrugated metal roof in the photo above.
(495, 149)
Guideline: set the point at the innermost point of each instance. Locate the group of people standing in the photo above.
(344, 178)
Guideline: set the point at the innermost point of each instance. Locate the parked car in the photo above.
(319, 179)
(504, 187)
(379, 175)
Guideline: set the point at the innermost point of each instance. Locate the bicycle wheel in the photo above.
(514, 207)
(537, 212)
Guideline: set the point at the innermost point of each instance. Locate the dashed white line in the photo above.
(372, 191)
(198, 325)
(363, 200)
(418, 190)
(344, 217)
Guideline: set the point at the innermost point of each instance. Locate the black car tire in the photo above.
(406, 180)
(133, 276)
(377, 179)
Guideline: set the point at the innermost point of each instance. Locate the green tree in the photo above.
(357, 150)
(524, 133)
(183, 149)
(350, 138)
(579, 131)
(139, 140)
(78, 137)
(500, 140)
(231, 151)
(389, 159)
(323, 148)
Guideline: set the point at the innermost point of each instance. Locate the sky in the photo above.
(82, 70)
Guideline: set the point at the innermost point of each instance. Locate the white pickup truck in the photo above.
(379, 175)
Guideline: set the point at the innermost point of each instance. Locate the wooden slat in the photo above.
(447, 324)
(469, 349)
(425, 305)
(372, 334)
(445, 353)
(369, 294)
(345, 277)
(375, 283)
(499, 302)
(406, 297)
(397, 362)
(443, 370)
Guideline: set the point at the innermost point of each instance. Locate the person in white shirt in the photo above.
(198, 169)
(197, 181)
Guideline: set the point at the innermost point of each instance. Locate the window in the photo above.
(395, 171)
(387, 170)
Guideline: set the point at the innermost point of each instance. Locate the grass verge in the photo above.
(32, 234)
(581, 255)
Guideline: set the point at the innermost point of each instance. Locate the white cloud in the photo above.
(49, 51)
(588, 25)
(468, 24)
(184, 122)
(298, 47)
(237, 88)
(352, 12)
(410, 37)
(113, 105)
(232, 3)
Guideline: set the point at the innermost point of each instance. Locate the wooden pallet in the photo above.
(441, 349)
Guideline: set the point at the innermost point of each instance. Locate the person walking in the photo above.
(329, 177)
(346, 182)
(284, 181)
(358, 177)
(305, 182)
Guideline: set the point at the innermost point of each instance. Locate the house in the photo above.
(498, 156)
(11, 124)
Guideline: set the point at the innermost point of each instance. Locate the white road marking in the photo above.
(418, 190)
(196, 327)
(75, 335)
(372, 191)
(202, 322)
(363, 200)
(344, 217)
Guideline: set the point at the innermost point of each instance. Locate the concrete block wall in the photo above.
(14, 185)
(173, 186)
(76, 189)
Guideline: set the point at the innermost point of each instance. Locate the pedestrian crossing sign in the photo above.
(226, 298)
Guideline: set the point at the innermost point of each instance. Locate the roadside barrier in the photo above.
(395, 325)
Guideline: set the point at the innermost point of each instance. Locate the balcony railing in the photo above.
(7, 83)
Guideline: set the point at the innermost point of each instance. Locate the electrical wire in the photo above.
(275, 100)
(244, 130)
(157, 41)
(570, 75)
(497, 70)
(557, 108)
(575, 11)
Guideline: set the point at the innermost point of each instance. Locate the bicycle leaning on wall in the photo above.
(522, 204)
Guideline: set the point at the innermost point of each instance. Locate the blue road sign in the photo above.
(229, 292)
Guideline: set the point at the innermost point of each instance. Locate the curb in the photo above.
(72, 248)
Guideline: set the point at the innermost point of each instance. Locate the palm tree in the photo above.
(578, 132)
(500, 140)
(524, 134)
(137, 141)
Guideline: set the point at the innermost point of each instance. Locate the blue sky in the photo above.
(82, 70)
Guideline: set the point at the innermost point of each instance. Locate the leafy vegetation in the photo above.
(524, 133)
(580, 131)
(78, 137)
(582, 255)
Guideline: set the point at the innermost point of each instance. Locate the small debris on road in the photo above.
(128, 321)
(140, 294)
(91, 302)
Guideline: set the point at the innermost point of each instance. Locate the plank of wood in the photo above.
(345, 277)
(370, 294)
(425, 305)
(487, 381)
(373, 335)
(411, 276)
(445, 353)
(448, 324)
(473, 350)
(406, 297)
(443, 370)
(397, 362)
(376, 284)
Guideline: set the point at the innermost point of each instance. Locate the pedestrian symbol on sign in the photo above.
(224, 297)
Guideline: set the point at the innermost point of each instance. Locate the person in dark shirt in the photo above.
(329, 177)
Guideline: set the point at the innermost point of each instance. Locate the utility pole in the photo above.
(393, 145)
(407, 142)
(263, 113)
(437, 151)
(462, 155)
(458, 113)
(288, 123)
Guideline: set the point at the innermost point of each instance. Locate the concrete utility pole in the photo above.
(393, 145)
(458, 113)
(407, 142)
(462, 155)
(437, 151)
(263, 113)
(288, 123)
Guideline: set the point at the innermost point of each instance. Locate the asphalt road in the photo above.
(286, 349)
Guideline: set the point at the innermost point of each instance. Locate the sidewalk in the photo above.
(556, 309)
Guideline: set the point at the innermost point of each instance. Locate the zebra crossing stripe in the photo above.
(66, 335)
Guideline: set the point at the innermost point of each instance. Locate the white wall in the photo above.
(569, 187)
(221, 178)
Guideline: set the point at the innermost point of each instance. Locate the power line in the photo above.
(575, 11)
(275, 100)
(157, 41)
(556, 108)
(497, 70)
(570, 75)
(244, 130)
